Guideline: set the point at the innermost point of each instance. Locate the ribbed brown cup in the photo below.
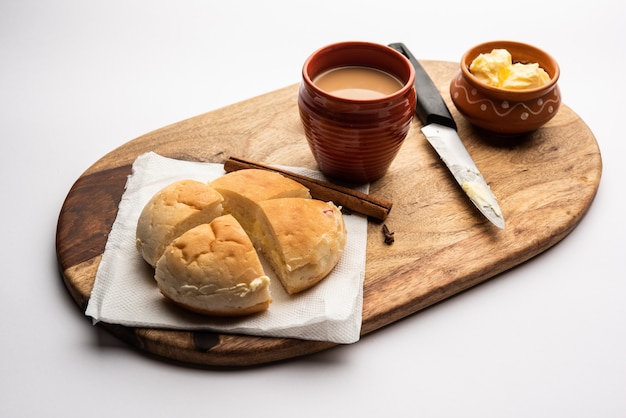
(356, 141)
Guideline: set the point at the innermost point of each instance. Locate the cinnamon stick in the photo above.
(345, 197)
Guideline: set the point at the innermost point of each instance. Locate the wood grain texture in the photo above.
(545, 183)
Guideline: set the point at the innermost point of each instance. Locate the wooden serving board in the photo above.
(545, 182)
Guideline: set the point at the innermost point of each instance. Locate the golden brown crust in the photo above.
(303, 239)
(213, 268)
(172, 211)
(258, 185)
(244, 189)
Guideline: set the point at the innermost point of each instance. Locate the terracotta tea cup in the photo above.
(354, 139)
(503, 111)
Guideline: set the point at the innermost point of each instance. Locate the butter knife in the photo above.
(440, 130)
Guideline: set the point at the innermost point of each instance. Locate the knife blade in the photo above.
(440, 130)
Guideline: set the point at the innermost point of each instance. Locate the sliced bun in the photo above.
(204, 240)
(172, 211)
(214, 269)
(244, 189)
(303, 239)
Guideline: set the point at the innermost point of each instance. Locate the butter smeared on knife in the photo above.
(440, 130)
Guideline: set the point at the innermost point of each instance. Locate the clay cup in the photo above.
(355, 139)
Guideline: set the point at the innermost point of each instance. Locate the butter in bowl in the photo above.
(507, 87)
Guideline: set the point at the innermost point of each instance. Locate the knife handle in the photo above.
(430, 105)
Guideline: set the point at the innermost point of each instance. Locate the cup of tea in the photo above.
(356, 103)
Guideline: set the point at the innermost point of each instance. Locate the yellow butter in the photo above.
(497, 69)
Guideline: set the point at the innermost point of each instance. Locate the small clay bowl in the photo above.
(356, 140)
(502, 111)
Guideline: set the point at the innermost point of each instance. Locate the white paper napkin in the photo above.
(125, 291)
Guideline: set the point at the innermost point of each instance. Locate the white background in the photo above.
(79, 78)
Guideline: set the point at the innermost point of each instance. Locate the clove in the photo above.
(389, 238)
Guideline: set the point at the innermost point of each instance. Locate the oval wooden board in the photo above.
(545, 182)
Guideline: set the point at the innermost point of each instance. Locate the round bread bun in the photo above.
(213, 269)
(172, 211)
(303, 239)
(244, 189)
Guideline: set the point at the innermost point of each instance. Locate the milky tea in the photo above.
(357, 83)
